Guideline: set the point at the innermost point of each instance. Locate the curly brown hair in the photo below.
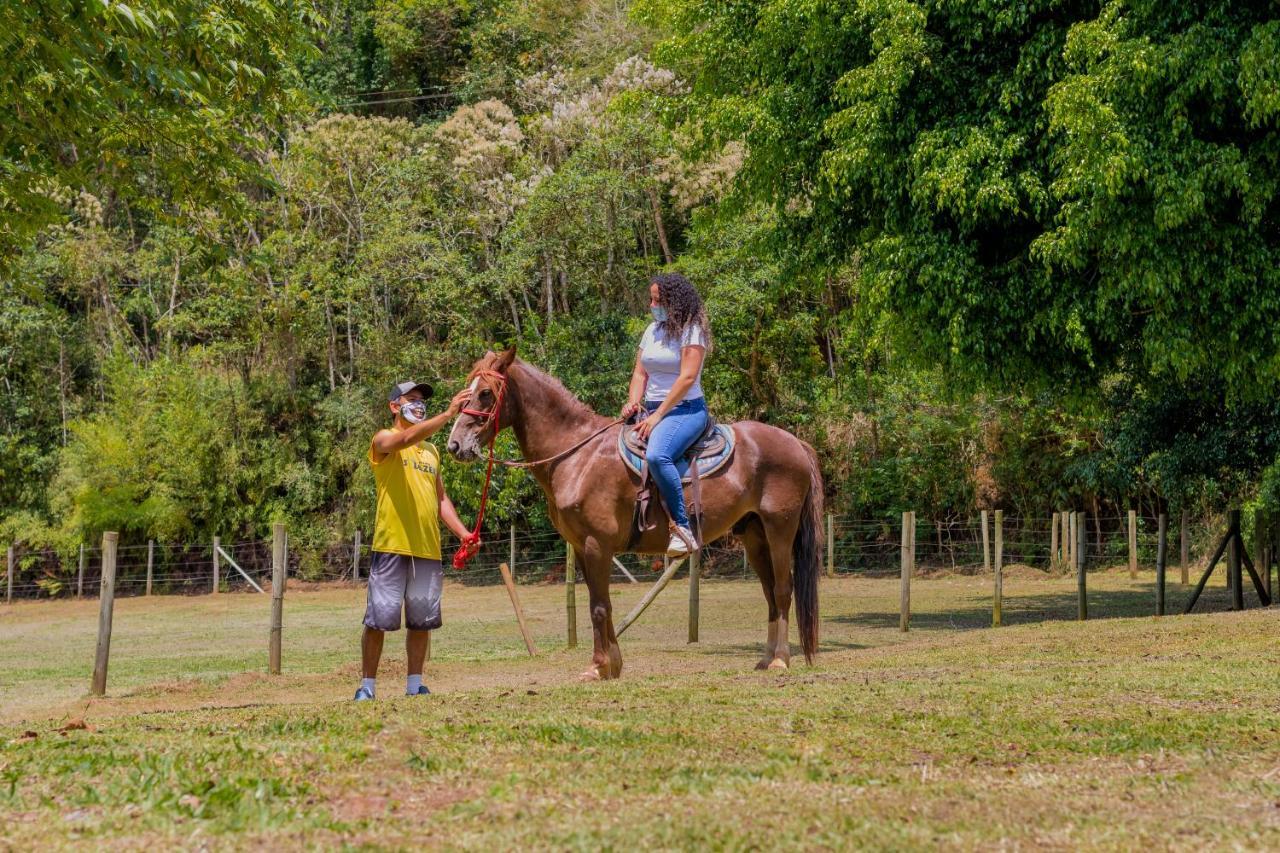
(684, 307)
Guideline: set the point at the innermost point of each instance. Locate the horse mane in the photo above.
(549, 385)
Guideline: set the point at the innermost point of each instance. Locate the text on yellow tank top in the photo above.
(408, 515)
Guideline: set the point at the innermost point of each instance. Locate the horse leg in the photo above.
(781, 534)
(606, 655)
(757, 548)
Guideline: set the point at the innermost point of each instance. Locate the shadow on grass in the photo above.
(1055, 607)
(755, 649)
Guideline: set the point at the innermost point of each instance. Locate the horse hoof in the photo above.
(762, 664)
(592, 674)
(777, 663)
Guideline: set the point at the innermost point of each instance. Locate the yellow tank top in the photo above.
(408, 516)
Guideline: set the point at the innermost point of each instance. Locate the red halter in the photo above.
(471, 545)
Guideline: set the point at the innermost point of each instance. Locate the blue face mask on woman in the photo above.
(659, 313)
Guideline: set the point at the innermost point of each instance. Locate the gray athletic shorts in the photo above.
(398, 579)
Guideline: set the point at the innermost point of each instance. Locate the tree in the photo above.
(1034, 191)
(161, 100)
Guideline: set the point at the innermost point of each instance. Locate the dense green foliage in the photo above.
(1039, 190)
(225, 247)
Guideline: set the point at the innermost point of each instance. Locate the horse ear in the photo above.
(505, 359)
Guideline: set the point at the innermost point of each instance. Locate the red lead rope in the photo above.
(471, 545)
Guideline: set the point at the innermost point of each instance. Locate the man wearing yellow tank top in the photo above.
(405, 569)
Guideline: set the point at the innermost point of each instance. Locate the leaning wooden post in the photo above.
(1053, 541)
(1133, 543)
(986, 544)
(695, 572)
(904, 599)
(1185, 545)
(570, 594)
(107, 601)
(998, 602)
(80, 574)
(217, 543)
(1162, 536)
(1079, 550)
(831, 546)
(355, 558)
(279, 573)
(1233, 560)
(510, 583)
(151, 559)
(8, 574)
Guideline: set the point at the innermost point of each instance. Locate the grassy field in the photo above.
(1116, 733)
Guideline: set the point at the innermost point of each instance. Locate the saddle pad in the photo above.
(707, 464)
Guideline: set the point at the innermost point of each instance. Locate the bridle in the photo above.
(492, 417)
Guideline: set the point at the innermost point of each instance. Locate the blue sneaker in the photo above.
(422, 691)
(363, 694)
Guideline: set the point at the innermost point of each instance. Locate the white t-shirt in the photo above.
(661, 360)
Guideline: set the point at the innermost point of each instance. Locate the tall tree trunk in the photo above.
(656, 205)
(62, 387)
(548, 291)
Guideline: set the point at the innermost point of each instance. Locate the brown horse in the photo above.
(770, 495)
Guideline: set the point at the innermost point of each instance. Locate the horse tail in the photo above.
(806, 554)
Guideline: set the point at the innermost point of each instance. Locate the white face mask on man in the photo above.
(413, 411)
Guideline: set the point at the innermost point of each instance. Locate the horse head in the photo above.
(490, 409)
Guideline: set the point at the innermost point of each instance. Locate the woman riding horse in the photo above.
(769, 494)
(667, 383)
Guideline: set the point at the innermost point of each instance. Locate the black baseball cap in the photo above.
(400, 389)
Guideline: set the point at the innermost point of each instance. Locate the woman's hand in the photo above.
(645, 429)
(631, 407)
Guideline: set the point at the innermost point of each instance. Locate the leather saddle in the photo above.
(708, 454)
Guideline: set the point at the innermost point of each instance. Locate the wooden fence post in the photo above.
(217, 543)
(279, 577)
(904, 598)
(355, 558)
(1233, 560)
(695, 572)
(1068, 539)
(986, 543)
(106, 606)
(1162, 541)
(1274, 551)
(831, 546)
(1079, 551)
(1259, 546)
(511, 556)
(151, 559)
(1133, 543)
(1185, 545)
(570, 593)
(998, 602)
(80, 574)
(1053, 541)
(8, 574)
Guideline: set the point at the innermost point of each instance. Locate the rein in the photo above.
(471, 545)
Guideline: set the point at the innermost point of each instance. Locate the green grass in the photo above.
(1116, 733)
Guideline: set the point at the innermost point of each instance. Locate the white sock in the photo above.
(367, 684)
(414, 682)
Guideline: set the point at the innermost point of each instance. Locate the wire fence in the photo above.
(857, 546)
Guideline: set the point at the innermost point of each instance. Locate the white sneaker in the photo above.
(682, 542)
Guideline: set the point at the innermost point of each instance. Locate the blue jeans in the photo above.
(670, 440)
